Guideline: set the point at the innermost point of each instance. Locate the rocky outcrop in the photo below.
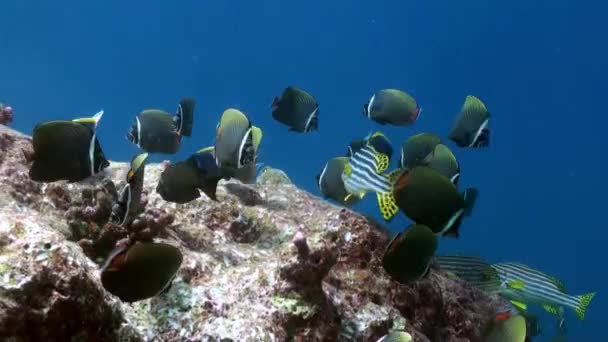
(267, 262)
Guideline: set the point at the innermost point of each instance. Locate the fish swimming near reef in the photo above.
(129, 200)
(472, 125)
(330, 182)
(408, 256)
(67, 150)
(364, 172)
(156, 131)
(140, 271)
(392, 106)
(524, 285)
(418, 150)
(297, 109)
(236, 141)
(429, 198)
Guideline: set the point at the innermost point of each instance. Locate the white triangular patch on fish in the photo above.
(128, 189)
(180, 116)
(97, 117)
(309, 120)
(92, 154)
(369, 106)
(451, 221)
(322, 175)
(242, 147)
(479, 131)
(454, 178)
(138, 132)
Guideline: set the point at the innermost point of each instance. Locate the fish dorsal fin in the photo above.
(206, 149)
(558, 283)
(472, 103)
(256, 135)
(519, 305)
(91, 122)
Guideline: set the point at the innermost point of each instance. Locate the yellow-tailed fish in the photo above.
(472, 269)
(524, 285)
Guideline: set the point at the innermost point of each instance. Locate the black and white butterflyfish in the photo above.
(157, 131)
(296, 109)
(392, 106)
(330, 182)
(472, 125)
(236, 140)
(364, 172)
(128, 204)
(67, 150)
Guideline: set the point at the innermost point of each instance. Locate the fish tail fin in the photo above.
(470, 196)
(388, 206)
(185, 116)
(583, 303)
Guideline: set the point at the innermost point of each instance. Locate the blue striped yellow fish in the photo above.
(364, 173)
(524, 285)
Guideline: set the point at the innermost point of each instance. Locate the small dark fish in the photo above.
(180, 182)
(236, 140)
(396, 336)
(509, 329)
(429, 198)
(330, 182)
(67, 150)
(297, 109)
(472, 125)
(377, 140)
(408, 256)
(140, 271)
(392, 106)
(444, 162)
(156, 131)
(129, 200)
(418, 149)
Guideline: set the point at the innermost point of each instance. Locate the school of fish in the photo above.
(424, 187)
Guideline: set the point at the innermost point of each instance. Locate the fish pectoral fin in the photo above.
(552, 309)
(516, 284)
(388, 206)
(519, 305)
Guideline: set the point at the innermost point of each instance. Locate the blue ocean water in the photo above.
(540, 66)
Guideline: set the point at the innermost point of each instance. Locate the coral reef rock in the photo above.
(267, 262)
